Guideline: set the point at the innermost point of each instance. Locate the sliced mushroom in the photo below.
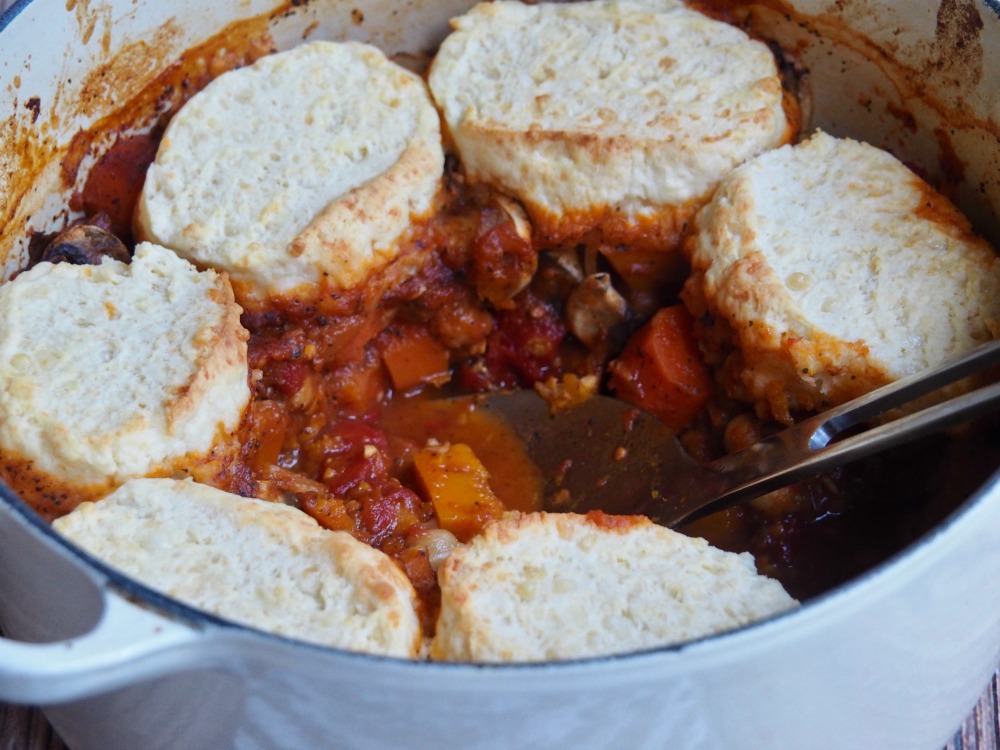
(595, 310)
(516, 215)
(566, 262)
(560, 270)
(85, 244)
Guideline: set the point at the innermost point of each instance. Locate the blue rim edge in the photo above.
(8, 15)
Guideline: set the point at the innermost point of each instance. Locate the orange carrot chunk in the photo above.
(457, 484)
(661, 369)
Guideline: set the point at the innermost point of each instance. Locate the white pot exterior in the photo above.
(892, 660)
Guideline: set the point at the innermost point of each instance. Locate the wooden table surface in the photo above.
(26, 728)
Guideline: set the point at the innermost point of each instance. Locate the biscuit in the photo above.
(114, 371)
(620, 116)
(266, 565)
(542, 587)
(824, 270)
(298, 174)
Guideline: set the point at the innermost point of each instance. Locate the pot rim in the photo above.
(8, 15)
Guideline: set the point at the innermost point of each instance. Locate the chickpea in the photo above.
(742, 431)
(777, 503)
(437, 543)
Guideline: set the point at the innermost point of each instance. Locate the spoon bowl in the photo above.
(608, 455)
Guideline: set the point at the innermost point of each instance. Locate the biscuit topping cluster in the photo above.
(577, 198)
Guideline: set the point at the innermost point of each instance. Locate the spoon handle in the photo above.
(812, 446)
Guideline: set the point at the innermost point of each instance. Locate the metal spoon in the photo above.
(609, 455)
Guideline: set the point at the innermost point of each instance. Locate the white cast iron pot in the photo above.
(894, 659)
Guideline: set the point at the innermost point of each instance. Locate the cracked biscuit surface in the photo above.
(117, 370)
(550, 586)
(826, 269)
(609, 115)
(258, 563)
(298, 174)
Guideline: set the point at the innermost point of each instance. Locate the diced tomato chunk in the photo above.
(523, 349)
(288, 377)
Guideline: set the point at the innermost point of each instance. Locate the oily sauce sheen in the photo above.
(334, 424)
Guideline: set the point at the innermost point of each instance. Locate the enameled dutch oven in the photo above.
(893, 659)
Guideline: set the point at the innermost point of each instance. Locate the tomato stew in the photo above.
(347, 393)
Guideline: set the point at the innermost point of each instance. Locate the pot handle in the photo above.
(128, 644)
